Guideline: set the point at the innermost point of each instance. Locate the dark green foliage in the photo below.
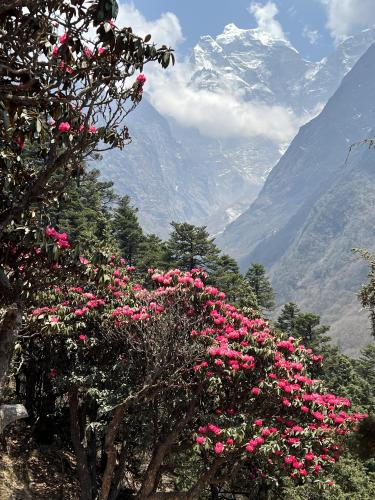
(286, 320)
(127, 229)
(191, 247)
(152, 253)
(353, 481)
(304, 325)
(257, 278)
(85, 209)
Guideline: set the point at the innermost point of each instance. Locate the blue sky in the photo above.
(299, 18)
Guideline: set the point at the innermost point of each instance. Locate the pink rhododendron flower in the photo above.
(64, 127)
(200, 439)
(54, 319)
(63, 38)
(141, 78)
(83, 337)
(93, 129)
(88, 52)
(55, 50)
(219, 448)
(101, 50)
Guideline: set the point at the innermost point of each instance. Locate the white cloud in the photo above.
(311, 35)
(345, 16)
(165, 30)
(265, 18)
(218, 114)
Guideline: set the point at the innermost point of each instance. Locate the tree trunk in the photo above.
(152, 476)
(110, 451)
(8, 333)
(195, 492)
(87, 489)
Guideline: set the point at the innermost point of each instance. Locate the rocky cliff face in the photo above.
(177, 173)
(316, 205)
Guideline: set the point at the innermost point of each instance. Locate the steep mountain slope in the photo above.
(157, 172)
(173, 172)
(316, 206)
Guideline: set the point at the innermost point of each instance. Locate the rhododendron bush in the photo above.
(69, 76)
(162, 371)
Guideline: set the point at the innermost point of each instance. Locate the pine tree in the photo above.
(127, 229)
(85, 209)
(152, 253)
(287, 318)
(191, 247)
(257, 278)
(304, 325)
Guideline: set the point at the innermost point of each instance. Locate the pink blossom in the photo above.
(255, 391)
(88, 52)
(200, 439)
(82, 337)
(141, 78)
(55, 50)
(54, 319)
(63, 38)
(101, 50)
(93, 129)
(219, 448)
(215, 429)
(64, 127)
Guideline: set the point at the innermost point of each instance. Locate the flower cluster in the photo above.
(61, 239)
(259, 398)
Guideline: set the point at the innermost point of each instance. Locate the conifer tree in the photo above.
(127, 229)
(152, 253)
(257, 278)
(287, 318)
(84, 211)
(304, 325)
(192, 247)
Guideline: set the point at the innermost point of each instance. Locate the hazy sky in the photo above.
(311, 26)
